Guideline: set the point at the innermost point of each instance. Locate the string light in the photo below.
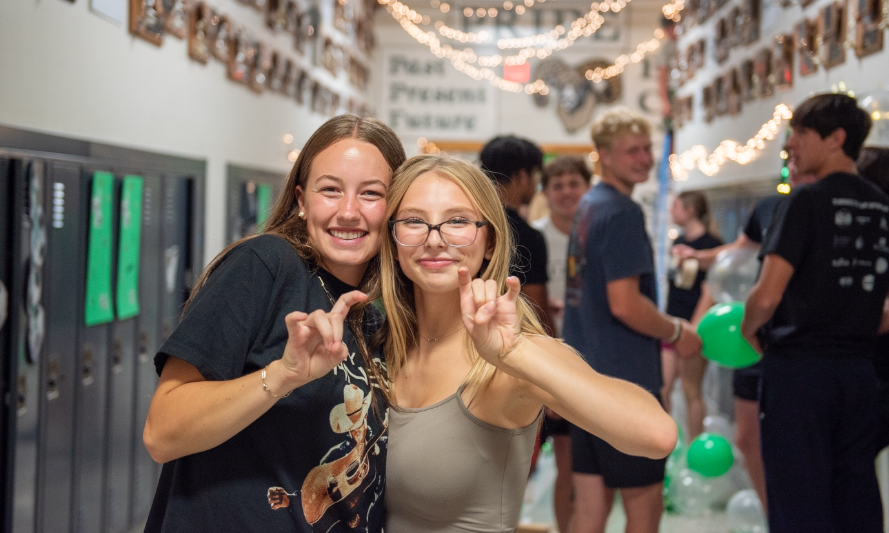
(671, 10)
(598, 74)
(593, 18)
(743, 154)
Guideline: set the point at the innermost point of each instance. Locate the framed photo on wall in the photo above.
(782, 59)
(833, 34)
(198, 27)
(868, 27)
(806, 35)
(765, 76)
(147, 20)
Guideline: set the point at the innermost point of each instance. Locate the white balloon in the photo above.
(720, 425)
(745, 514)
(733, 274)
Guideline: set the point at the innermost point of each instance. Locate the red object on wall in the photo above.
(517, 73)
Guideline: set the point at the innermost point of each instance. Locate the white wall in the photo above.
(859, 75)
(66, 71)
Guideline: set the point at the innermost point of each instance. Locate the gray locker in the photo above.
(59, 365)
(25, 355)
(122, 351)
(7, 486)
(145, 470)
(92, 392)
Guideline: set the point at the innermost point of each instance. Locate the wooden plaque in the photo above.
(220, 35)
(198, 27)
(763, 69)
(748, 81)
(806, 36)
(721, 41)
(833, 35)
(782, 58)
(868, 27)
(176, 20)
(147, 20)
(709, 103)
(241, 52)
(752, 15)
(260, 65)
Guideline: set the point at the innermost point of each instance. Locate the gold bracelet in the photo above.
(267, 389)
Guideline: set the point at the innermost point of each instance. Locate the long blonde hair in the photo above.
(401, 327)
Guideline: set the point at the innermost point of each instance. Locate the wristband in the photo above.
(677, 331)
(267, 389)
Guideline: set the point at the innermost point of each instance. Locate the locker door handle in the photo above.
(143, 346)
(52, 380)
(87, 366)
(21, 399)
(117, 357)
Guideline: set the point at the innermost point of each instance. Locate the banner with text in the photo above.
(425, 97)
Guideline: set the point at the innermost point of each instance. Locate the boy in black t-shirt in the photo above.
(512, 163)
(816, 310)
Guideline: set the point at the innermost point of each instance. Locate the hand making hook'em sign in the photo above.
(490, 318)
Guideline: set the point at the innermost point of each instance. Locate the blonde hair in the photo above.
(400, 327)
(615, 123)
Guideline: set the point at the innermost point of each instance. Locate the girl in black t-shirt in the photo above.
(689, 299)
(271, 410)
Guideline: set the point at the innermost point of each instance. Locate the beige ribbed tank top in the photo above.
(448, 471)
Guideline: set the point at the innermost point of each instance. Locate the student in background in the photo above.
(564, 182)
(814, 314)
(512, 163)
(691, 212)
(612, 319)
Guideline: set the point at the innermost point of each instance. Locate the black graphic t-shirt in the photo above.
(315, 462)
(609, 242)
(760, 220)
(530, 258)
(682, 302)
(835, 233)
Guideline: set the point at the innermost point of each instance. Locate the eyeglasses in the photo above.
(456, 233)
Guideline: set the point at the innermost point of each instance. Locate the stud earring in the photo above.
(301, 214)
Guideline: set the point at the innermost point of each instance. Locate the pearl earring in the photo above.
(301, 214)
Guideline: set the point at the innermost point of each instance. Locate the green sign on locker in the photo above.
(98, 266)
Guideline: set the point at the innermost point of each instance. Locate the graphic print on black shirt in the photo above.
(315, 461)
(343, 470)
(835, 234)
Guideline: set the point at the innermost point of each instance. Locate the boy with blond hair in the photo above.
(612, 319)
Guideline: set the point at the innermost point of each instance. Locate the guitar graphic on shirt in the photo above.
(332, 482)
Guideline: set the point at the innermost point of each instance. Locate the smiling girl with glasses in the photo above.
(470, 367)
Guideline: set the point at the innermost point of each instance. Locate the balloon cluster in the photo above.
(704, 476)
(730, 279)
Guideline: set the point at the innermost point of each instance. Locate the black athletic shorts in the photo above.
(745, 382)
(592, 455)
(554, 427)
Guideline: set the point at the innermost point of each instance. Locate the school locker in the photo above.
(122, 351)
(91, 384)
(24, 326)
(6, 411)
(145, 470)
(59, 366)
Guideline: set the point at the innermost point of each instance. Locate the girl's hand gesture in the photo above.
(314, 344)
(490, 318)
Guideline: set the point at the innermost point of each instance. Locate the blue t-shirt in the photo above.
(609, 242)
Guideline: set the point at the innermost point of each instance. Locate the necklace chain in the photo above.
(433, 339)
(323, 286)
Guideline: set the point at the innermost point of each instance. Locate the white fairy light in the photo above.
(710, 164)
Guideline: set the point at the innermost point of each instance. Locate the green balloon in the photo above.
(710, 455)
(720, 329)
